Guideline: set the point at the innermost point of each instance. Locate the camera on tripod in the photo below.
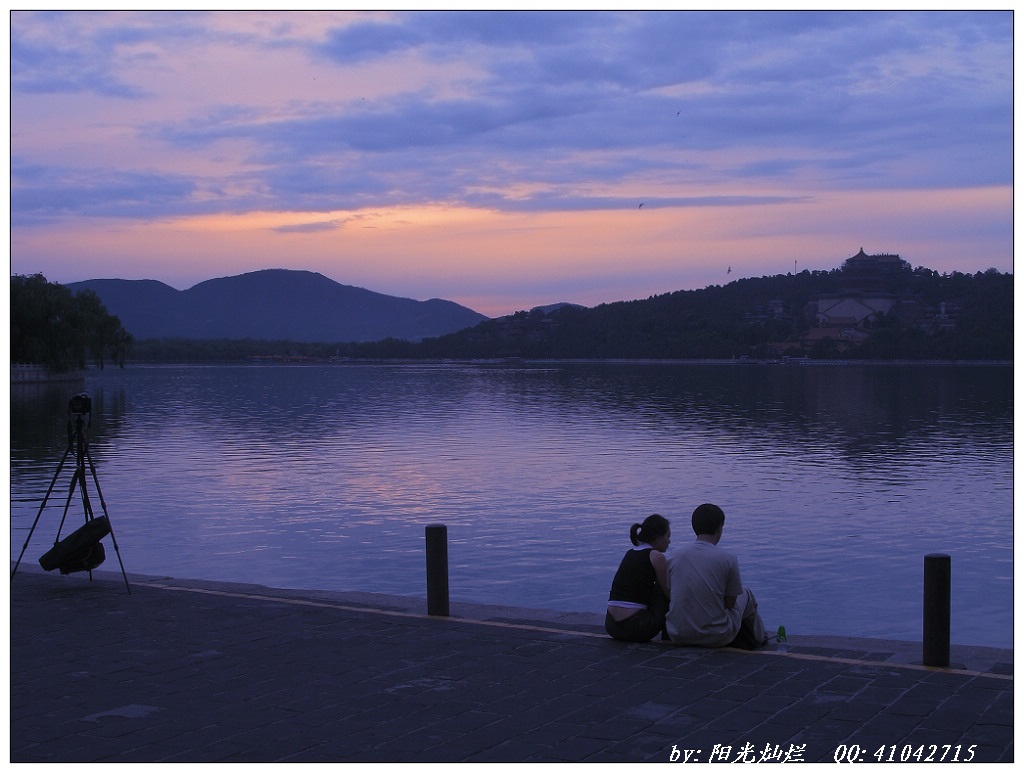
(81, 551)
(80, 404)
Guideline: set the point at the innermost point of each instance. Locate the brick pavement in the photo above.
(193, 671)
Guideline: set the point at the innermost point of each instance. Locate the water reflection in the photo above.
(835, 481)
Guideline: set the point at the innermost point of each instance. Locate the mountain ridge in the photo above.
(274, 304)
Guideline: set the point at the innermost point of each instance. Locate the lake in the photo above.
(836, 480)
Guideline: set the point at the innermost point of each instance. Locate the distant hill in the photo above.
(275, 304)
(874, 307)
(556, 306)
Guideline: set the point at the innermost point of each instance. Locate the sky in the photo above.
(506, 160)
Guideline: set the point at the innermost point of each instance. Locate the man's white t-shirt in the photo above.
(701, 575)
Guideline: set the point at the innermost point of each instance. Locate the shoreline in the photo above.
(518, 363)
(963, 657)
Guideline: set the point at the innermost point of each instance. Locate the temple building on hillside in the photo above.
(866, 290)
(871, 273)
(844, 310)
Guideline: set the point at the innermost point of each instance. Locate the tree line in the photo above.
(61, 330)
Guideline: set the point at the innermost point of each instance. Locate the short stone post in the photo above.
(437, 570)
(937, 571)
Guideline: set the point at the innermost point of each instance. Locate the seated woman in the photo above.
(638, 601)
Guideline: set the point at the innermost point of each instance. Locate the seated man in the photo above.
(709, 606)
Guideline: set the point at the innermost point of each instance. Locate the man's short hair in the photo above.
(707, 519)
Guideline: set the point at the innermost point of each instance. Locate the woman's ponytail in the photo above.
(634, 533)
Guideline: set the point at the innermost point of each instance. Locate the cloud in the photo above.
(152, 117)
(447, 35)
(42, 194)
(308, 228)
(367, 41)
(42, 68)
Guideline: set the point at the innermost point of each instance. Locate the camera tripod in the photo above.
(81, 550)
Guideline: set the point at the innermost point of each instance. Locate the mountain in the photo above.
(275, 304)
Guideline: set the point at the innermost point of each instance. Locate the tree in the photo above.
(51, 326)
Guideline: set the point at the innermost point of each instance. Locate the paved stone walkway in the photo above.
(193, 671)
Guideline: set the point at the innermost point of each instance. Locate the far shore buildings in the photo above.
(862, 297)
(864, 294)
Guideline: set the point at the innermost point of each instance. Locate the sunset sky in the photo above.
(508, 160)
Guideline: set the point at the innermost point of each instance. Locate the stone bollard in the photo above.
(935, 650)
(437, 570)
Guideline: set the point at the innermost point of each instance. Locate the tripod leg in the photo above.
(46, 498)
(103, 505)
(67, 505)
(86, 504)
(79, 476)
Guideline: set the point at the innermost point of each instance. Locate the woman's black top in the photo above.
(635, 579)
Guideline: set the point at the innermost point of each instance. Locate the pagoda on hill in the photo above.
(865, 273)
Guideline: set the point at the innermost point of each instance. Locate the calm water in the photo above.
(836, 481)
